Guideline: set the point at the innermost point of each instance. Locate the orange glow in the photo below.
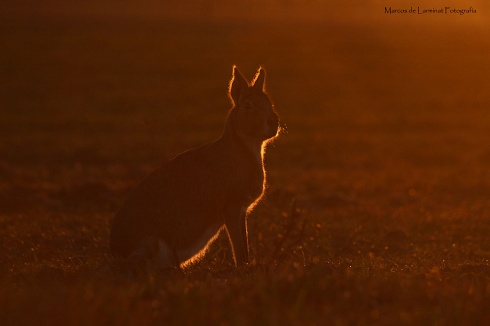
(376, 208)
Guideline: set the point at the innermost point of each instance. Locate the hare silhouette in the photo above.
(177, 211)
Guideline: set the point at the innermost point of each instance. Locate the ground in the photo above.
(377, 208)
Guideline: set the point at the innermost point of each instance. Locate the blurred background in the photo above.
(373, 102)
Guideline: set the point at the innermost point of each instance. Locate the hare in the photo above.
(178, 211)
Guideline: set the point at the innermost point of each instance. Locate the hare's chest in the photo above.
(257, 186)
(254, 185)
(245, 187)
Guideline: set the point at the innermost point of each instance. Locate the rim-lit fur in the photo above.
(178, 210)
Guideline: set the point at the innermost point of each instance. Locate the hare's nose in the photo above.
(273, 121)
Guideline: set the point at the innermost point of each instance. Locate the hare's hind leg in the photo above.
(167, 256)
(155, 253)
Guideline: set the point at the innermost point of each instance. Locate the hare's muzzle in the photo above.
(273, 122)
(272, 125)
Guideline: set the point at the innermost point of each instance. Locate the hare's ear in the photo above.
(259, 80)
(237, 85)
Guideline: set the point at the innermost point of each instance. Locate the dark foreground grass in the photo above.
(377, 209)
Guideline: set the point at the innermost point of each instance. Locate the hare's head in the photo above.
(254, 114)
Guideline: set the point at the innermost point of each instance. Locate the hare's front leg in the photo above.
(236, 225)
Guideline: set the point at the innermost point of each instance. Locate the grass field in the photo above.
(378, 205)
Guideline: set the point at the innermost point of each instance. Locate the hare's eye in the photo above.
(247, 105)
